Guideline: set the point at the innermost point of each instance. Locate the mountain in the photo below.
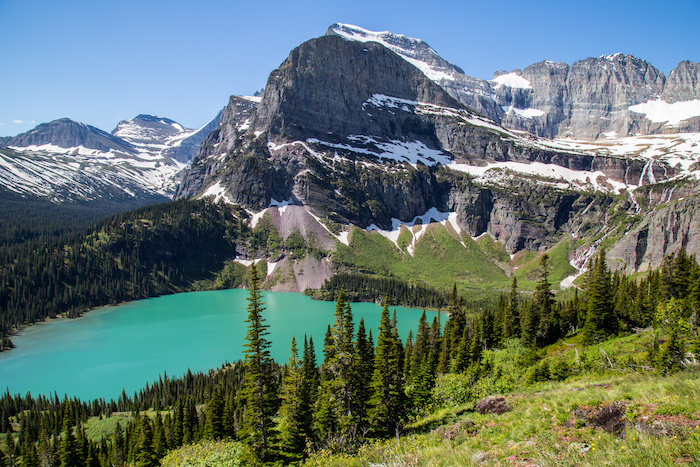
(67, 161)
(362, 131)
(65, 133)
(610, 96)
(162, 137)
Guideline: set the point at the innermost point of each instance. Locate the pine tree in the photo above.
(309, 388)
(214, 427)
(543, 299)
(600, 314)
(387, 398)
(258, 393)
(160, 443)
(362, 370)
(145, 457)
(511, 319)
(69, 454)
(289, 417)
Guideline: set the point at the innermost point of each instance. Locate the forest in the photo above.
(369, 385)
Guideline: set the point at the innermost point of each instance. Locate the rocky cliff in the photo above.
(369, 129)
(591, 99)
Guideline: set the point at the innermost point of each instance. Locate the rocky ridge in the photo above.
(591, 99)
(354, 133)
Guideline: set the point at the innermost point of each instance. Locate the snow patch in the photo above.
(252, 98)
(524, 113)
(562, 177)
(412, 152)
(512, 80)
(271, 268)
(418, 226)
(659, 111)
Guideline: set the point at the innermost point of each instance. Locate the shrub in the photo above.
(210, 454)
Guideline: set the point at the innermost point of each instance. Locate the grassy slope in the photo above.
(479, 267)
(555, 424)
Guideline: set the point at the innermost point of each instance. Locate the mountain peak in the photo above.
(155, 118)
(67, 133)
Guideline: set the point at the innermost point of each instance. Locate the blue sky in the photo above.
(100, 62)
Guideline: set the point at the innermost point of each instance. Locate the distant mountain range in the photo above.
(375, 131)
(67, 161)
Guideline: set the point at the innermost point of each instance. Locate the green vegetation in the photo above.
(152, 251)
(533, 380)
(210, 454)
(365, 288)
(439, 260)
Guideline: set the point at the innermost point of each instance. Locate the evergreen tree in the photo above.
(362, 370)
(511, 319)
(543, 301)
(69, 454)
(386, 409)
(309, 388)
(160, 443)
(214, 427)
(289, 417)
(420, 348)
(258, 393)
(145, 457)
(600, 314)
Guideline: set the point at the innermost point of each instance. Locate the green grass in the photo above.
(543, 428)
(439, 260)
(559, 266)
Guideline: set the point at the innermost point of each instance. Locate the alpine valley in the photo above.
(366, 142)
(371, 169)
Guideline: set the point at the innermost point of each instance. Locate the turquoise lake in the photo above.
(127, 346)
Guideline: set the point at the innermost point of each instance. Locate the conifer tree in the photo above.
(258, 394)
(145, 457)
(309, 388)
(289, 417)
(511, 320)
(600, 314)
(214, 427)
(362, 370)
(387, 398)
(160, 442)
(544, 303)
(69, 454)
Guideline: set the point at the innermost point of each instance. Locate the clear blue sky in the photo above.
(99, 61)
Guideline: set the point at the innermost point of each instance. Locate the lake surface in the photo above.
(126, 346)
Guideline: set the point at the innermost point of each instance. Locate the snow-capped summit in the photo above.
(67, 134)
(162, 137)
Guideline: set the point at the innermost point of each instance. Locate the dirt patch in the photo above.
(497, 405)
(607, 417)
(452, 431)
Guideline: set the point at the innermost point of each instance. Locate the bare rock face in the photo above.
(319, 91)
(601, 90)
(683, 84)
(214, 148)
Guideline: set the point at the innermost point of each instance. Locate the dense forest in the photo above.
(69, 262)
(366, 288)
(152, 251)
(369, 384)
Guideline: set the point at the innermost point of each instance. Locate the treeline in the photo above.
(611, 303)
(152, 251)
(365, 386)
(25, 218)
(365, 288)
